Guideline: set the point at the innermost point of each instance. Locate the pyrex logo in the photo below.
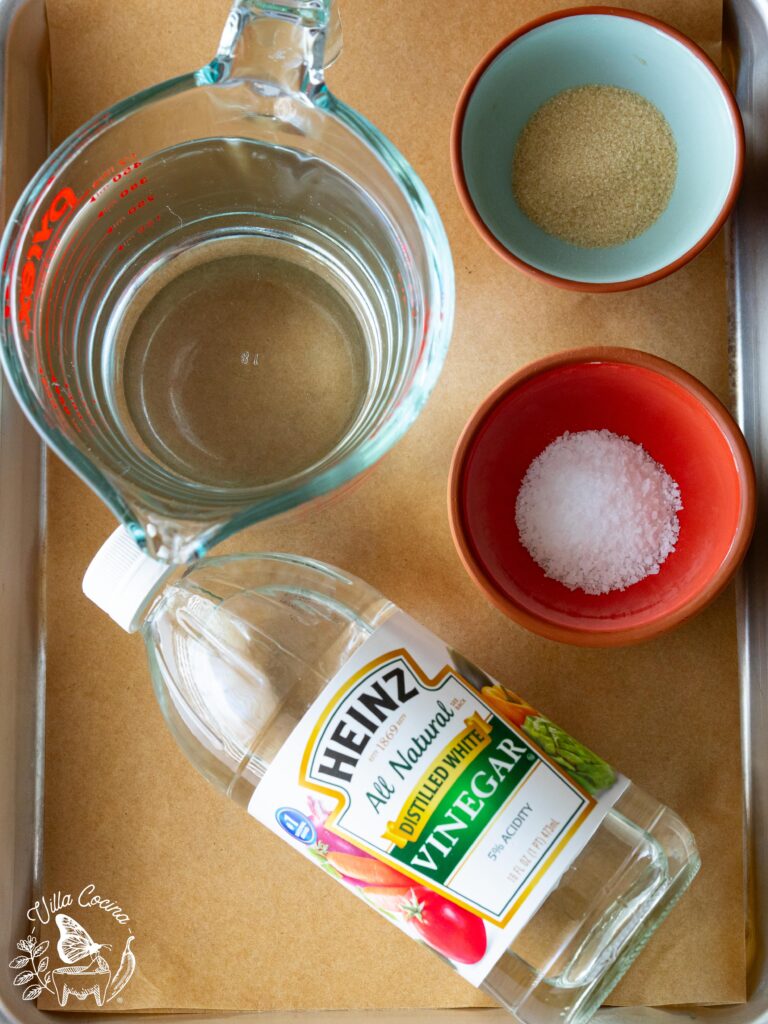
(64, 202)
(84, 970)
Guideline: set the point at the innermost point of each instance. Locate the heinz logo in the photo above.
(65, 201)
(361, 719)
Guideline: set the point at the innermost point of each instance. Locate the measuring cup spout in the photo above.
(172, 539)
(284, 46)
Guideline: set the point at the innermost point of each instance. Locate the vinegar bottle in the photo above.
(440, 797)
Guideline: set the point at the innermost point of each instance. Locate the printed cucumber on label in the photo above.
(453, 809)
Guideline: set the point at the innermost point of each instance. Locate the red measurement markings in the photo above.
(33, 272)
(62, 280)
(138, 203)
(100, 185)
(66, 279)
(129, 202)
(36, 269)
(138, 206)
(47, 387)
(74, 271)
(56, 391)
(61, 207)
(146, 226)
(110, 206)
(74, 405)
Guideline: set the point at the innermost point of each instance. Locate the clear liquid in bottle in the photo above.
(240, 648)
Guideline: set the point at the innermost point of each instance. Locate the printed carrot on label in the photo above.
(366, 869)
(507, 704)
(388, 897)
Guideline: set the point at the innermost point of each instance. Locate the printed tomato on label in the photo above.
(451, 930)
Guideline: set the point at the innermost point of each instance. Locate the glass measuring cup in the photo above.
(228, 294)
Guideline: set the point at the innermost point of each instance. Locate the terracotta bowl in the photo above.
(675, 418)
(604, 46)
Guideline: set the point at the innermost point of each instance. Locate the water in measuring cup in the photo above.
(233, 315)
(242, 368)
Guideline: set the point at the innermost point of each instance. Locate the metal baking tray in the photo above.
(24, 56)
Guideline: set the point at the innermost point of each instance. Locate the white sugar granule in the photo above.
(597, 513)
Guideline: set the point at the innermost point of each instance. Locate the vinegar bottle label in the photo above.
(436, 795)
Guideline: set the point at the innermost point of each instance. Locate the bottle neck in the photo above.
(125, 582)
(156, 599)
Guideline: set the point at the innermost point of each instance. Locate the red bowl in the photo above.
(675, 418)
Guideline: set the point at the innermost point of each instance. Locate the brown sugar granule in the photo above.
(595, 166)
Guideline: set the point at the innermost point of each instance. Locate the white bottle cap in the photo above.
(122, 578)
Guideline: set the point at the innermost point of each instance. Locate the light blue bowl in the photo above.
(608, 47)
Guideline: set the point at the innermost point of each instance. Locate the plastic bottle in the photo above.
(241, 648)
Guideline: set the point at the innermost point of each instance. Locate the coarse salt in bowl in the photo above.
(653, 403)
(597, 513)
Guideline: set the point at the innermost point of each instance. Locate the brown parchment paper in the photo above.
(224, 915)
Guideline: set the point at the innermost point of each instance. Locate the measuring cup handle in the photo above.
(288, 43)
